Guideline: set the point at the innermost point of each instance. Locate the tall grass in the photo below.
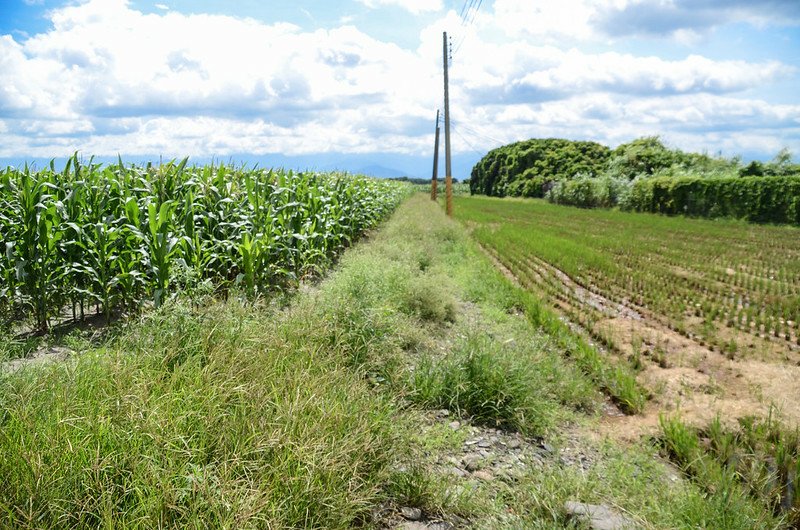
(492, 386)
(226, 417)
(756, 462)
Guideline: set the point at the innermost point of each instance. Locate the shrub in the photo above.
(524, 168)
(587, 192)
(763, 200)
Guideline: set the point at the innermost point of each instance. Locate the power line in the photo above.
(455, 129)
(464, 9)
(460, 42)
(475, 13)
(479, 134)
(467, 19)
(476, 133)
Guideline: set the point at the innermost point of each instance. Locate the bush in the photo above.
(756, 199)
(525, 168)
(586, 192)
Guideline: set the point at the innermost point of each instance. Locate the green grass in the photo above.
(226, 414)
(492, 386)
(617, 380)
(228, 417)
(756, 463)
(636, 484)
(734, 276)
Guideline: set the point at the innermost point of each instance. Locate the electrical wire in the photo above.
(468, 15)
(465, 12)
(472, 147)
(476, 133)
(464, 9)
(475, 13)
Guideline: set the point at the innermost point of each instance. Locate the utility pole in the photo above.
(434, 181)
(448, 177)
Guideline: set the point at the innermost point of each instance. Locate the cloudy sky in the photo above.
(356, 83)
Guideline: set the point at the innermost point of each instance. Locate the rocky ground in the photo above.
(484, 457)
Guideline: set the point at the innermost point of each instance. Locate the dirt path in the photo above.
(683, 375)
(39, 357)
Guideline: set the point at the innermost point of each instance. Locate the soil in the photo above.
(684, 374)
(39, 357)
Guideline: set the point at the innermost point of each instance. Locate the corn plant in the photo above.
(161, 245)
(119, 236)
(37, 268)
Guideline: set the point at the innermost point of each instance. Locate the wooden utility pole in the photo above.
(434, 179)
(448, 176)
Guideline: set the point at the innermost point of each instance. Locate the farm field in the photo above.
(705, 311)
(105, 240)
(248, 282)
(408, 379)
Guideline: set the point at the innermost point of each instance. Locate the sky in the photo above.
(355, 84)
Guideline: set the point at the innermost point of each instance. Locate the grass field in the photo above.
(410, 378)
(735, 286)
(706, 312)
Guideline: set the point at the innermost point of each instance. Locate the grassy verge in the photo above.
(233, 415)
(756, 464)
(618, 380)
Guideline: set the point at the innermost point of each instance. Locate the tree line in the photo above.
(642, 175)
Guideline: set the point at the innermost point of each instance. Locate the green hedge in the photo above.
(526, 168)
(757, 199)
(600, 192)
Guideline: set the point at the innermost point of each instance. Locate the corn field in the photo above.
(112, 238)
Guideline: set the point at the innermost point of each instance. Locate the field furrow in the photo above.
(706, 312)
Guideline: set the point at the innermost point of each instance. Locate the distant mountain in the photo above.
(385, 165)
(375, 170)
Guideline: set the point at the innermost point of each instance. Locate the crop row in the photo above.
(114, 237)
(760, 458)
(699, 277)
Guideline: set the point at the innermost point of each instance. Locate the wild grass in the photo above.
(490, 385)
(756, 463)
(239, 415)
(635, 483)
(232, 416)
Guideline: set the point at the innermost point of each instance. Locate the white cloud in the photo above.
(557, 73)
(565, 18)
(109, 79)
(691, 122)
(684, 20)
(414, 6)
(106, 61)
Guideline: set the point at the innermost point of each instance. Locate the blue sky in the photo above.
(356, 83)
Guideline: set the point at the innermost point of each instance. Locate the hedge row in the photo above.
(599, 192)
(756, 199)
